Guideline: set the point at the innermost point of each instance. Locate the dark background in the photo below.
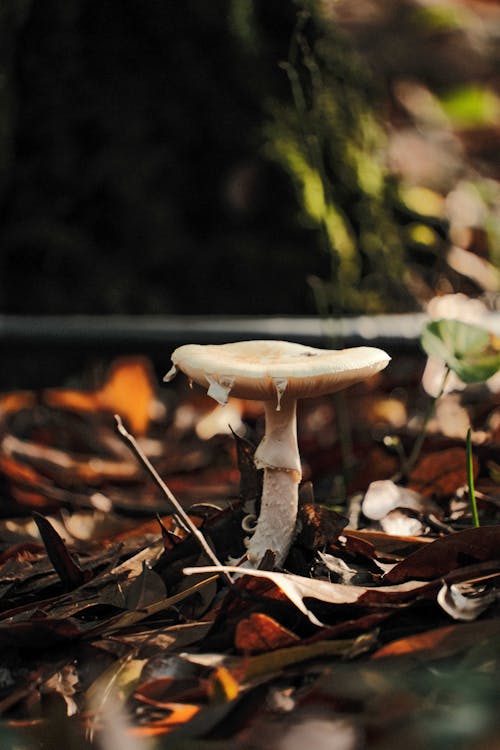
(143, 167)
(133, 178)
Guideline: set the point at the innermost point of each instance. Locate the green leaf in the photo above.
(469, 351)
(472, 106)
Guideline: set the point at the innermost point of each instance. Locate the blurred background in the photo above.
(248, 156)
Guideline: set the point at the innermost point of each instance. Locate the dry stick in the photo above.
(186, 522)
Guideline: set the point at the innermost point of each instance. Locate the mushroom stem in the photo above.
(278, 455)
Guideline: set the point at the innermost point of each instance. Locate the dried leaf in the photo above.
(441, 642)
(250, 476)
(70, 573)
(129, 618)
(338, 566)
(65, 468)
(298, 588)
(145, 589)
(222, 686)
(129, 390)
(384, 544)
(320, 526)
(12, 402)
(180, 714)
(464, 601)
(441, 473)
(264, 665)
(261, 633)
(64, 682)
(446, 554)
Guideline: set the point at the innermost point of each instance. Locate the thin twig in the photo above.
(186, 521)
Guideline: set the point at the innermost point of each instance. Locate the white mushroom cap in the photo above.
(258, 369)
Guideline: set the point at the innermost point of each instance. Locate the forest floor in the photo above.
(381, 629)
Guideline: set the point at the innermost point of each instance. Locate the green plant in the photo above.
(473, 354)
(470, 478)
(469, 351)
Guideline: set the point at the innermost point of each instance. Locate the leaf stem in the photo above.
(417, 446)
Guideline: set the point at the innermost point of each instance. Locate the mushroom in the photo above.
(276, 373)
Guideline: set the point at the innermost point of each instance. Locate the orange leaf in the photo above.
(180, 714)
(441, 642)
(441, 473)
(16, 401)
(30, 498)
(18, 471)
(129, 391)
(222, 686)
(259, 633)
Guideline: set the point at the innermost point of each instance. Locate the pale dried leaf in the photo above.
(297, 588)
(338, 566)
(464, 601)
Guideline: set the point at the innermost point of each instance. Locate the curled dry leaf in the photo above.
(464, 601)
(64, 682)
(338, 566)
(298, 588)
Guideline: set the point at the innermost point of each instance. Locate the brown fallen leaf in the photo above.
(319, 526)
(387, 544)
(441, 473)
(260, 633)
(446, 554)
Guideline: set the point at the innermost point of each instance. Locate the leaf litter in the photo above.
(116, 624)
